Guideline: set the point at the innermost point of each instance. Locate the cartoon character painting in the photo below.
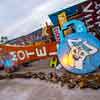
(79, 51)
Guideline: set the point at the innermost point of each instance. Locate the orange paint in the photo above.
(24, 54)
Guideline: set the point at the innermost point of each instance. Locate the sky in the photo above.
(21, 17)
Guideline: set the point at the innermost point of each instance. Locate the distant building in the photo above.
(28, 39)
(43, 34)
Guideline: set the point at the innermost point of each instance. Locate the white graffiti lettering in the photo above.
(29, 53)
(87, 8)
(91, 15)
(97, 6)
(21, 55)
(41, 52)
(14, 56)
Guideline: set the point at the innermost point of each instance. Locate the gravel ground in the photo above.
(30, 89)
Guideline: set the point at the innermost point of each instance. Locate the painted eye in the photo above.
(75, 51)
(82, 53)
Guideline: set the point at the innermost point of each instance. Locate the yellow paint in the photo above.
(62, 17)
(53, 62)
(68, 60)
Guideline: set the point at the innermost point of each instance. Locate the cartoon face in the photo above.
(78, 53)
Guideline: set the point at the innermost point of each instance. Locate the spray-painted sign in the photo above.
(79, 52)
(91, 14)
(56, 31)
(22, 54)
(88, 12)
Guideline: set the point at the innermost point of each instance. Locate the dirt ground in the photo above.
(30, 89)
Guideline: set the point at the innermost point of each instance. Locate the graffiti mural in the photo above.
(88, 12)
(79, 51)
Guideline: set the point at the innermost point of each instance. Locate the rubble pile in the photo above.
(71, 80)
